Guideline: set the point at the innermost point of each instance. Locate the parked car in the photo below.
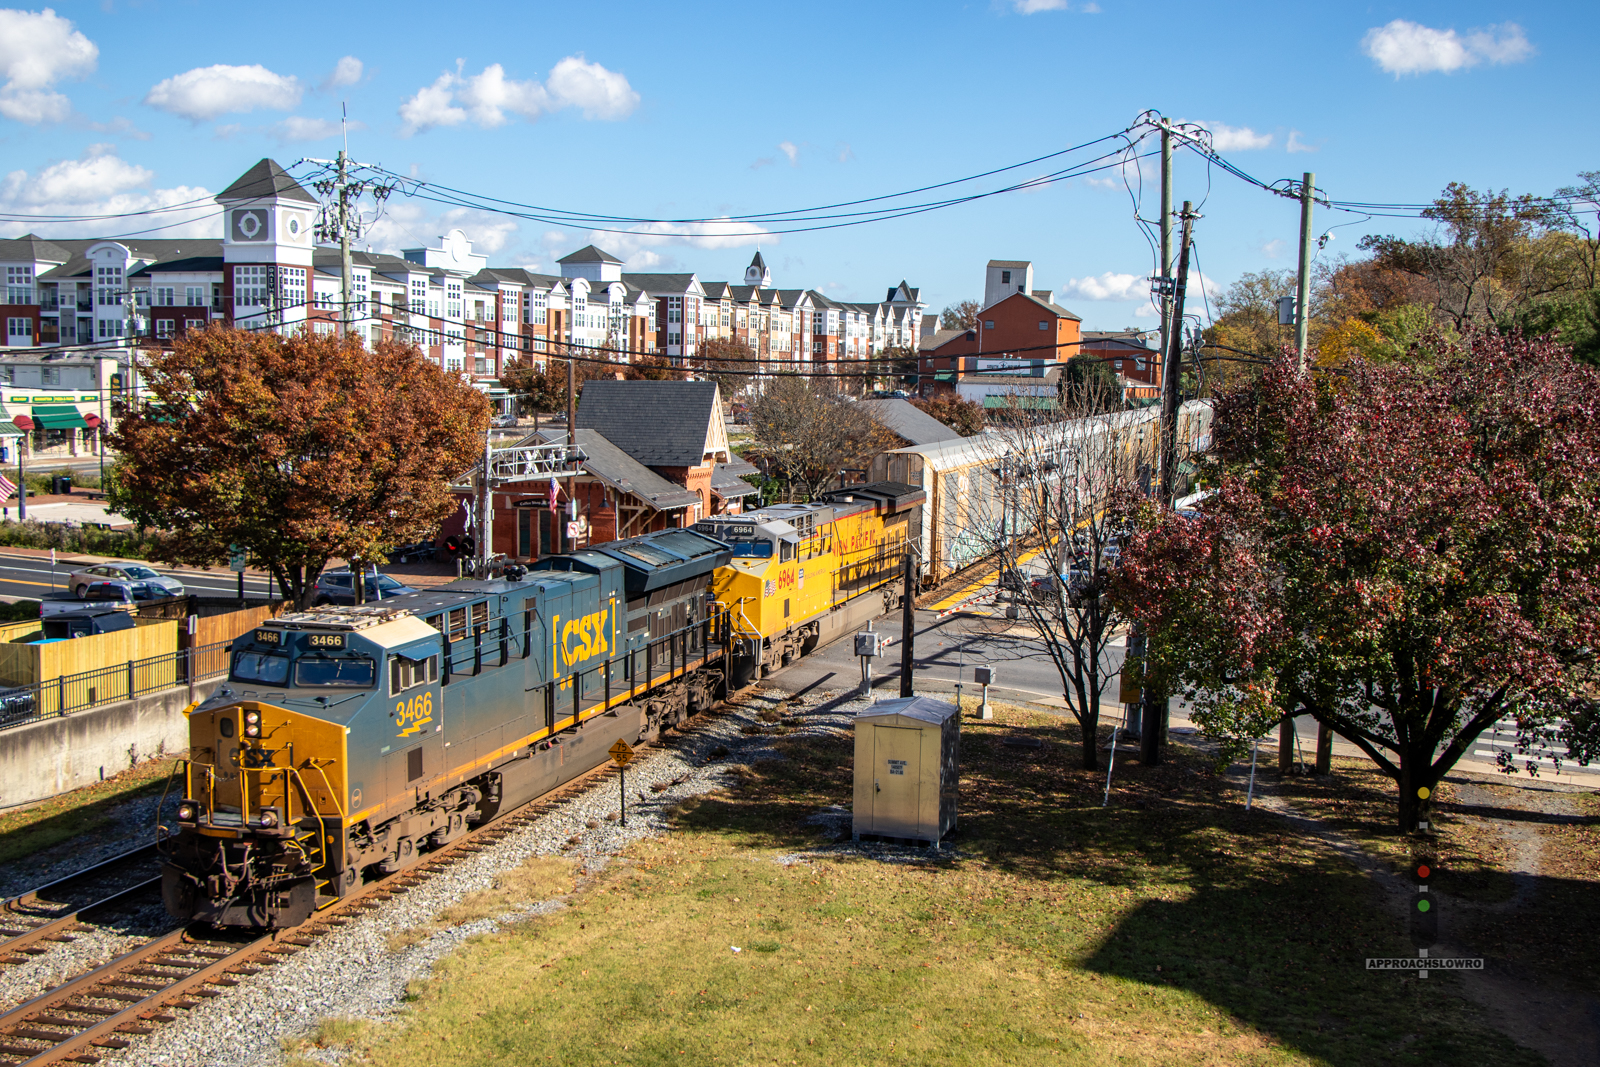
(334, 587)
(71, 624)
(414, 552)
(1075, 580)
(16, 705)
(503, 422)
(142, 581)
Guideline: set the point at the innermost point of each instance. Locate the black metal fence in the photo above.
(106, 685)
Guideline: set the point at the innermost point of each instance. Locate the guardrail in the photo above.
(70, 693)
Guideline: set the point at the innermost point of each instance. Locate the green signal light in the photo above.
(1423, 905)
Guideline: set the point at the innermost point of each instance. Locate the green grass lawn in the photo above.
(1169, 928)
(33, 829)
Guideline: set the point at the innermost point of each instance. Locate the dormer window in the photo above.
(1005, 277)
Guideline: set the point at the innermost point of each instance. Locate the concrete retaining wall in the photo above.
(43, 759)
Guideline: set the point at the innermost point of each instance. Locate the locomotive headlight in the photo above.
(269, 818)
(252, 716)
(188, 811)
(252, 730)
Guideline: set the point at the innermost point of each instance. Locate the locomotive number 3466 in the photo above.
(411, 715)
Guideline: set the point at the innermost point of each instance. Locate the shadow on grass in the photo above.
(1198, 895)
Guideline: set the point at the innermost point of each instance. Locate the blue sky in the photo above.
(705, 110)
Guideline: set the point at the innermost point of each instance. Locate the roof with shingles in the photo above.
(727, 478)
(907, 421)
(662, 283)
(660, 424)
(31, 248)
(589, 254)
(266, 179)
(622, 472)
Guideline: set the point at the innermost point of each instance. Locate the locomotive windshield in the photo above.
(318, 669)
(268, 668)
(752, 549)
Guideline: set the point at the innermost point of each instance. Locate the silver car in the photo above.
(143, 582)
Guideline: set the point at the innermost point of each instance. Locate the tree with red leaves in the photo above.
(298, 448)
(1408, 552)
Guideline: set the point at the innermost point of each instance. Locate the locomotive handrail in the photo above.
(317, 764)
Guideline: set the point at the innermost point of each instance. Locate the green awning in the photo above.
(58, 417)
(1038, 403)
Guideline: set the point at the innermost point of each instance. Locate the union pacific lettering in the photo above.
(585, 638)
(864, 537)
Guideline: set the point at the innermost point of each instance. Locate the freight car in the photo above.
(352, 740)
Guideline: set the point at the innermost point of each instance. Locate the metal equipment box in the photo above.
(907, 769)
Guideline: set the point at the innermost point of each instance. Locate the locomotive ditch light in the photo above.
(269, 818)
(189, 811)
(253, 730)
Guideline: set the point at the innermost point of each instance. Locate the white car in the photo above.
(143, 582)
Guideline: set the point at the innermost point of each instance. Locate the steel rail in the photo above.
(132, 978)
(55, 928)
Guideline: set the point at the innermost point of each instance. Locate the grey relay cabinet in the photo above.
(907, 761)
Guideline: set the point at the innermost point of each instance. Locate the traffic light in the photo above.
(1424, 909)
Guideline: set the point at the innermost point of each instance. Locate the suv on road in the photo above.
(142, 581)
(334, 587)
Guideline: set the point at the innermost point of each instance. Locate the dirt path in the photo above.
(1538, 1011)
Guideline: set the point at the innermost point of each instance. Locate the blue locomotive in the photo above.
(350, 740)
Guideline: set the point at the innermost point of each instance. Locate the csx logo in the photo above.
(584, 638)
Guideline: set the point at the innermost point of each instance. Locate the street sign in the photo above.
(236, 558)
(621, 753)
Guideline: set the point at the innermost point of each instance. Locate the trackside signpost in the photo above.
(622, 755)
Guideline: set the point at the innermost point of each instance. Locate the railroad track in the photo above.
(49, 914)
(107, 1008)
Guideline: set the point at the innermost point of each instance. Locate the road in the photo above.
(32, 577)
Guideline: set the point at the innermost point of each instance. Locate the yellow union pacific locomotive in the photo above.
(803, 574)
(348, 742)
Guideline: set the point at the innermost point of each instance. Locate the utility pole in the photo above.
(572, 437)
(908, 626)
(1153, 732)
(1303, 283)
(347, 282)
(341, 222)
(1165, 283)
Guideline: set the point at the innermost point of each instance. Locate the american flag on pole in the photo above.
(8, 488)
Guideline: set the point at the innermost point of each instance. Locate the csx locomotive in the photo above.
(349, 741)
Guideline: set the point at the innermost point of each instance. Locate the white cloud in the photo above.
(1274, 248)
(345, 72)
(1297, 145)
(599, 93)
(409, 224)
(845, 152)
(1103, 183)
(431, 107)
(1108, 286)
(206, 92)
(635, 247)
(1403, 47)
(1225, 138)
(38, 49)
(790, 149)
(300, 128)
(99, 183)
(485, 98)
(1033, 7)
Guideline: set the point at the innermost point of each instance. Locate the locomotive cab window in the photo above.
(786, 551)
(406, 673)
(265, 668)
(752, 549)
(319, 668)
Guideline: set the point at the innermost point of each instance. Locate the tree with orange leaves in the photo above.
(298, 448)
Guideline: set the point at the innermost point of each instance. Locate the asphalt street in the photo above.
(32, 577)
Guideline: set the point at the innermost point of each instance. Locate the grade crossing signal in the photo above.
(1424, 908)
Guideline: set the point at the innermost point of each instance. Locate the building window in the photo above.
(538, 305)
(164, 328)
(108, 286)
(190, 325)
(292, 287)
(19, 331)
(988, 324)
(163, 296)
(193, 296)
(1005, 277)
(1043, 325)
(674, 309)
(1117, 363)
(19, 285)
(249, 287)
(419, 294)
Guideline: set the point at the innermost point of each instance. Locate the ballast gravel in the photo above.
(352, 973)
